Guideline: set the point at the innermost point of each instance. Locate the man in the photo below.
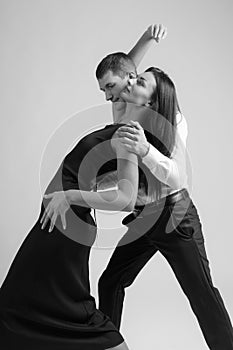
(128, 260)
(117, 70)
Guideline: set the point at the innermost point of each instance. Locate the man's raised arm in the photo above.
(154, 32)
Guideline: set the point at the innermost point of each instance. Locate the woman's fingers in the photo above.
(53, 220)
(136, 124)
(63, 220)
(131, 129)
(57, 206)
(128, 135)
(127, 141)
(49, 195)
(124, 129)
(43, 216)
(47, 217)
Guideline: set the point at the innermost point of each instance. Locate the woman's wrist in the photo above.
(69, 196)
(146, 150)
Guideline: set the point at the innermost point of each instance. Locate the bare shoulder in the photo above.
(118, 110)
(180, 119)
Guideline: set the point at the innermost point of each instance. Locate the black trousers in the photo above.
(175, 231)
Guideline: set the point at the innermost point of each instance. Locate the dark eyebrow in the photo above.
(106, 86)
(142, 79)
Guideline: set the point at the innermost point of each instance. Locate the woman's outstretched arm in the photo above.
(123, 199)
(171, 171)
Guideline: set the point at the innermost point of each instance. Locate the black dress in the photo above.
(45, 301)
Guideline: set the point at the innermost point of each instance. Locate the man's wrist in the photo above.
(148, 35)
(147, 148)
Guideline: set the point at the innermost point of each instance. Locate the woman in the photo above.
(45, 300)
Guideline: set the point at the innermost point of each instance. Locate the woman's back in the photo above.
(45, 300)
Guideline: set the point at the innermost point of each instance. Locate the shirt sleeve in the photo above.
(170, 171)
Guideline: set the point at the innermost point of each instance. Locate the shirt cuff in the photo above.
(153, 157)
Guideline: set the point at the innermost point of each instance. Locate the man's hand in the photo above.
(57, 206)
(133, 138)
(157, 32)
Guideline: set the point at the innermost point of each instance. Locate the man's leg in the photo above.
(184, 250)
(123, 267)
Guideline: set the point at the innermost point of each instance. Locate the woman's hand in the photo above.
(133, 138)
(57, 206)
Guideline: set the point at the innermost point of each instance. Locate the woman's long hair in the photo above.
(164, 102)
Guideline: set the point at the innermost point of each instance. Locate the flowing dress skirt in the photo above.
(45, 301)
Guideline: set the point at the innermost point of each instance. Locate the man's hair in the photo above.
(119, 63)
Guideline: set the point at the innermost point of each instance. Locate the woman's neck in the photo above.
(132, 112)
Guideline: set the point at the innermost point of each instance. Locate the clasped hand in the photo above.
(58, 205)
(133, 138)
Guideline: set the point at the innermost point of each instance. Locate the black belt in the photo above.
(154, 206)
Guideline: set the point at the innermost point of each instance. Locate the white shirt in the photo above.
(170, 171)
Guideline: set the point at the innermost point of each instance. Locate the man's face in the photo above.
(112, 85)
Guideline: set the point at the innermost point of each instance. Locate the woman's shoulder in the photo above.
(182, 127)
(179, 118)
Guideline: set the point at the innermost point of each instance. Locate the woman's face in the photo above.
(140, 90)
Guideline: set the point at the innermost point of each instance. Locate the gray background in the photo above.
(49, 52)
